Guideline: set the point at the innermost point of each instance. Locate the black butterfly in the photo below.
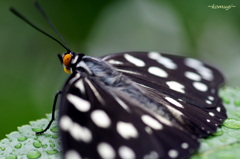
(135, 104)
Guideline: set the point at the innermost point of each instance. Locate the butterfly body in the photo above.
(117, 107)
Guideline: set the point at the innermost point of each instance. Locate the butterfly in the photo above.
(135, 104)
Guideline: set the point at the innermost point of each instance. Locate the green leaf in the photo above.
(25, 144)
(224, 144)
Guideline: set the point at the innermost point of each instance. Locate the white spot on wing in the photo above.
(151, 155)
(153, 123)
(134, 60)
(211, 98)
(175, 112)
(114, 62)
(174, 102)
(205, 72)
(126, 152)
(148, 130)
(193, 63)
(127, 130)
(65, 123)
(157, 71)
(80, 133)
(208, 102)
(80, 86)
(211, 114)
(106, 151)
(79, 103)
(154, 55)
(218, 109)
(184, 145)
(100, 118)
(192, 76)
(200, 86)
(77, 131)
(168, 63)
(163, 120)
(173, 153)
(72, 154)
(176, 86)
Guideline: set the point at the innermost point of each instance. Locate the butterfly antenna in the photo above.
(39, 8)
(14, 11)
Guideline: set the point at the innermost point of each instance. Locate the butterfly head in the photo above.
(69, 61)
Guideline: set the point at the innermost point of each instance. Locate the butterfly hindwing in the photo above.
(96, 122)
(186, 86)
(188, 78)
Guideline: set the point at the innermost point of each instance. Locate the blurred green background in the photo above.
(31, 73)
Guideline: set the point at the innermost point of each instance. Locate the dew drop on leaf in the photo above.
(2, 148)
(23, 138)
(52, 145)
(33, 154)
(218, 133)
(54, 129)
(232, 123)
(37, 129)
(55, 136)
(44, 145)
(37, 144)
(237, 102)
(226, 100)
(51, 152)
(18, 146)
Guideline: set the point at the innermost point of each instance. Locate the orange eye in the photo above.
(67, 59)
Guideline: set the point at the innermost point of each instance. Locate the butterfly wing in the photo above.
(186, 86)
(96, 122)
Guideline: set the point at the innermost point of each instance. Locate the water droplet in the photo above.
(33, 154)
(52, 145)
(237, 102)
(54, 129)
(55, 136)
(44, 145)
(18, 146)
(218, 133)
(37, 144)
(51, 152)
(226, 100)
(48, 135)
(2, 148)
(37, 129)
(11, 157)
(23, 138)
(232, 123)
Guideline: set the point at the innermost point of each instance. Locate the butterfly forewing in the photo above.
(105, 125)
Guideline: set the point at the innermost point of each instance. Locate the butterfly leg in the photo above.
(53, 113)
